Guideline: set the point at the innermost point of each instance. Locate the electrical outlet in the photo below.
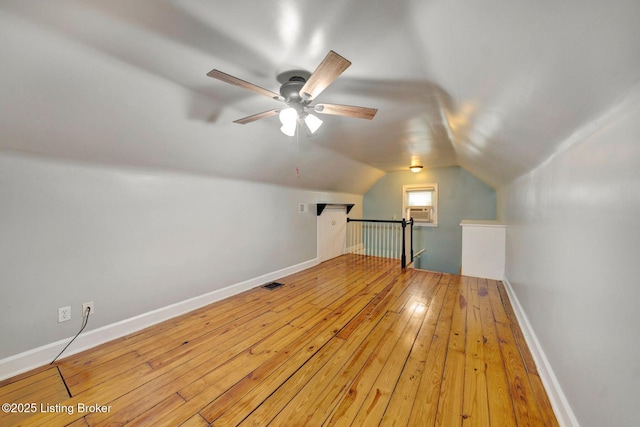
(64, 314)
(84, 308)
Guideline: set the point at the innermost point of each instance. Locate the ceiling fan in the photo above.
(299, 89)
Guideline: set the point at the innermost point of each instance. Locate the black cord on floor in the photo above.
(84, 324)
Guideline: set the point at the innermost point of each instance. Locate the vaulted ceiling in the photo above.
(495, 86)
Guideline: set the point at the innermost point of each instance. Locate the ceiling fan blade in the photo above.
(329, 69)
(216, 74)
(346, 110)
(258, 116)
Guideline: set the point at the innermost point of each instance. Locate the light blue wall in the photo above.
(460, 196)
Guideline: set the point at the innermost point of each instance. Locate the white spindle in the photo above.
(374, 242)
(385, 230)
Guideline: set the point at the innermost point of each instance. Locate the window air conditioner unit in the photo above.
(420, 214)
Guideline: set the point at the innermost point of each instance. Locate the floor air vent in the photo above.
(273, 285)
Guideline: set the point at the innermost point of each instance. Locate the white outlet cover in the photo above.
(84, 308)
(64, 314)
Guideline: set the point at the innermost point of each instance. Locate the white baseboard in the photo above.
(559, 402)
(22, 362)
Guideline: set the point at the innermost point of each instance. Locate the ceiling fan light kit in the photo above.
(298, 90)
(289, 120)
(312, 122)
(289, 117)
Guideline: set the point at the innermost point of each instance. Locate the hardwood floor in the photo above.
(353, 341)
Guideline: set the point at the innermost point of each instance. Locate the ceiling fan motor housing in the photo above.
(290, 90)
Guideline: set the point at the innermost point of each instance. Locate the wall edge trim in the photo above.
(559, 402)
(41, 356)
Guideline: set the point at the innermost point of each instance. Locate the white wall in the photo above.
(133, 241)
(573, 252)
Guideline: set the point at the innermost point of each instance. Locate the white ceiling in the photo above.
(494, 86)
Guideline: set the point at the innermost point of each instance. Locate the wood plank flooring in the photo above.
(353, 341)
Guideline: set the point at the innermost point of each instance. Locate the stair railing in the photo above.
(383, 238)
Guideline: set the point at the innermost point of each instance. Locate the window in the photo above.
(420, 202)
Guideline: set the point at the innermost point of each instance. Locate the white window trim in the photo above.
(414, 187)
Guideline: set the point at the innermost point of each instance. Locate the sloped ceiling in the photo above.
(494, 86)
